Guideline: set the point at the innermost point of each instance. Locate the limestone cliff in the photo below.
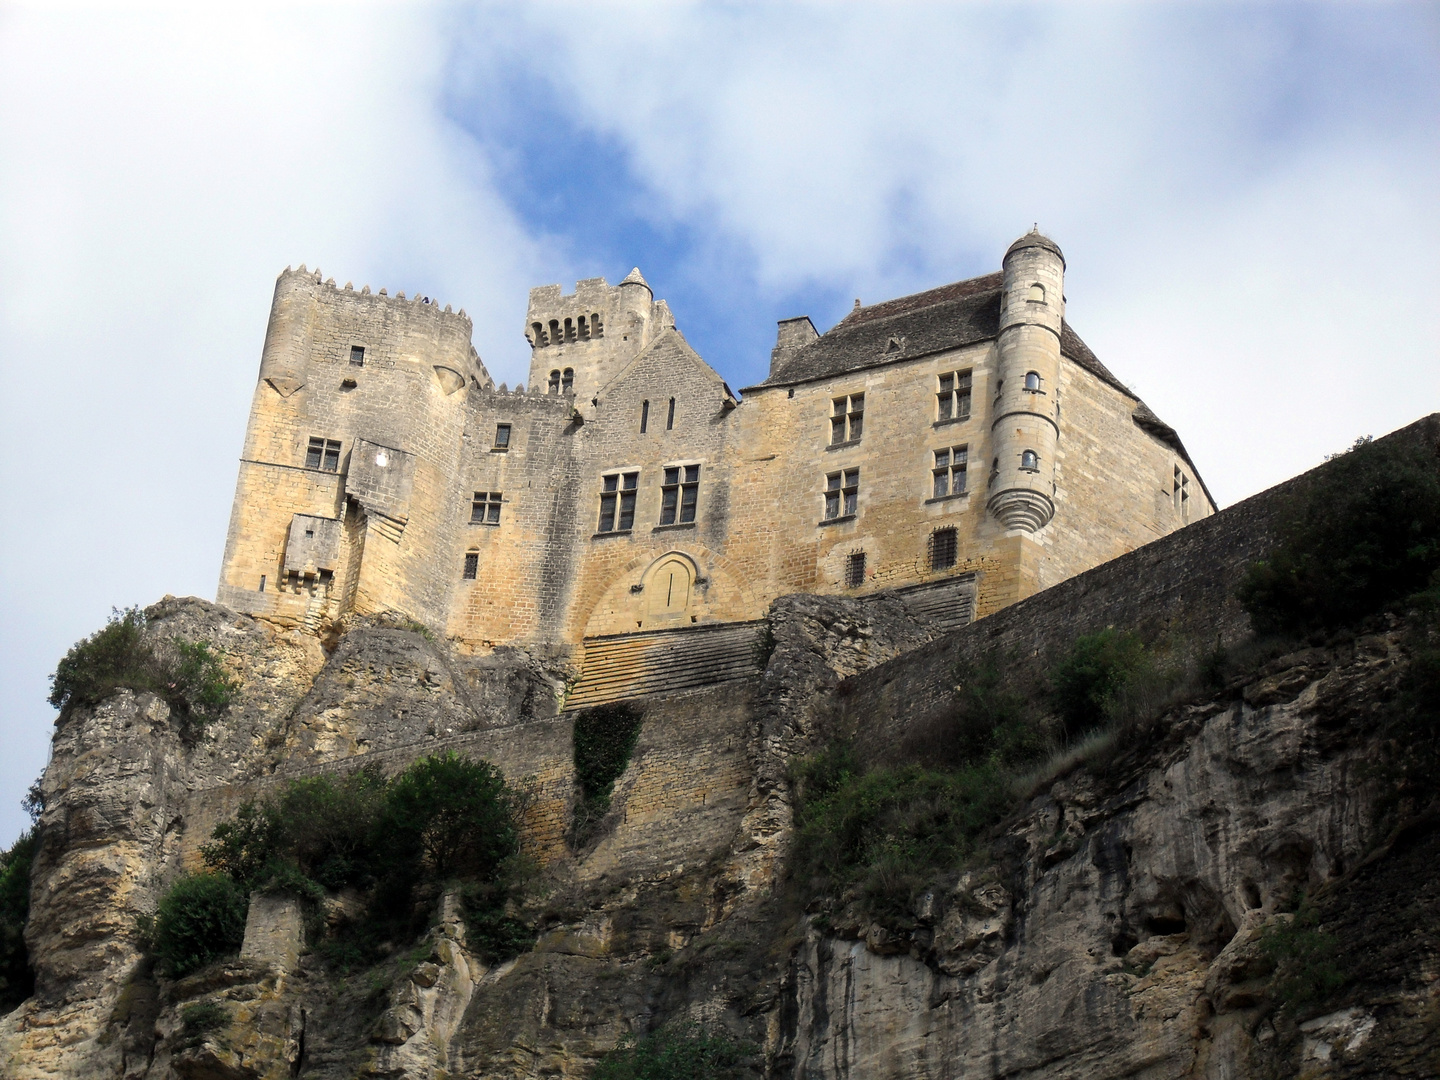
(1113, 931)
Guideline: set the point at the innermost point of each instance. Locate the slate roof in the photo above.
(937, 320)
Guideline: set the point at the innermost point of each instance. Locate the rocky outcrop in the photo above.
(1114, 928)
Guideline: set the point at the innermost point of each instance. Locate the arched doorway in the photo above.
(669, 584)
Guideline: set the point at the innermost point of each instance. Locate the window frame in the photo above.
(504, 444)
(618, 491)
(322, 454)
(842, 493)
(470, 570)
(357, 355)
(954, 398)
(956, 463)
(1029, 461)
(847, 418)
(855, 569)
(679, 493)
(951, 547)
(485, 507)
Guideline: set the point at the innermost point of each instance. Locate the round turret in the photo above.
(1025, 430)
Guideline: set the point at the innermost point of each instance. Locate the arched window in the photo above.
(1032, 380)
(584, 328)
(537, 331)
(567, 380)
(1030, 460)
(569, 330)
(1037, 293)
(555, 381)
(555, 331)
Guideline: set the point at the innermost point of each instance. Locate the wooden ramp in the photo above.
(622, 666)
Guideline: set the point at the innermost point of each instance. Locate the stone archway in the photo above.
(668, 588)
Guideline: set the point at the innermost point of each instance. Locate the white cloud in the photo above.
(158, 170)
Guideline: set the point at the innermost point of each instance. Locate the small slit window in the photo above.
(502, 436)
(1029, 460)
(472, 566)
(670, 417)
(679, 494)
(323, 454)
(855, 570)
(644, 416)
(944, 549)
(357, 355)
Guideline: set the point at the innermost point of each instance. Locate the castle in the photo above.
(962, 445)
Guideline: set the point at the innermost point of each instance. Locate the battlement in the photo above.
(314, 279)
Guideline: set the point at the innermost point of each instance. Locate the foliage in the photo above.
(674, 1053)
(200, 919)
(1305, 959)
(888, 832)
(1361, 534)
(457, 812)
(1088, 684)
(188, 675)
(199, 1020)
(986, 721)
(604, 738)
(764, 647)
(17, 981)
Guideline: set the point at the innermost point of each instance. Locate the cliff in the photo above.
(1228, 887)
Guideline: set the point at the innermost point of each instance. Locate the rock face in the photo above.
(1114, 930)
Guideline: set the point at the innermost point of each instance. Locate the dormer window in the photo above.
(1030, 461)
(1036, 294)
(1032, 380)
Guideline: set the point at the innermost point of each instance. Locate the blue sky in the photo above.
(1246, 194)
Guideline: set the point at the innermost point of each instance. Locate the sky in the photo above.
(1248, 197)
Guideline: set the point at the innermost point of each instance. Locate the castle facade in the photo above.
(962, 443)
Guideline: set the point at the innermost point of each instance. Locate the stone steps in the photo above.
(664, 661)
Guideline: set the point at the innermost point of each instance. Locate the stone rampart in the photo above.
(1180, 587)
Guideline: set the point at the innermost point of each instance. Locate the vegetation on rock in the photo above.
(188, 675)
(16, 979)
(200, 920)
(675, 1053)
(604, 738)
(1362, 533)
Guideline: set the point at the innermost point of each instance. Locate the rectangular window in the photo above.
(485, 508)
(855, 570)
(472, 565)
(502, 436)
(944, 549)
(357, 355)
(262, 582)
(617, 501)
(842, 493)
(644, 416)
(949, 471)
(953, 398)
(323, 454)
(680, 491)
(670, 419)
(847, 419)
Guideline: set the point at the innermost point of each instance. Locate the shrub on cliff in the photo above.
(455, 814)
(675, 1053)
(188, 675)
(17, 981)
(1088, 686)
(604, 738)
(200, 920)
(1361, 534)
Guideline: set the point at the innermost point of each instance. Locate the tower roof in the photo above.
(1034, 239)
(635, 278)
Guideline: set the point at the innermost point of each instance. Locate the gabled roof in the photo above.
(937, 320)
(669, 347)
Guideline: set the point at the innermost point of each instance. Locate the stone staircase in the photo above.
(622, 666)
(947, 604)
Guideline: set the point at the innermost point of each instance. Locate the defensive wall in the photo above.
(1180, 587)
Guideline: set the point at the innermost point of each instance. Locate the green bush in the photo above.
(188, 675)
(198, 1020)
(1361, 534)
(200, 919)
(986, 721)
(458, 813)
(604, 738)
(1307, 970)
(17, 981)
(674, 1053)
(889, 832)
(1087, 685)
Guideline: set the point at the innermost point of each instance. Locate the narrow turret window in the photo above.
(855, 570)
(1032, 380)
(1037, 293)
(537, 334)
(567, 381)
(472, 566)
(680, 492)
(596, 329)
(943, 549)
(1030, 461)
(644, 416)
(953, 398)
(617, 502)
(670, 419)
(584, 328)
